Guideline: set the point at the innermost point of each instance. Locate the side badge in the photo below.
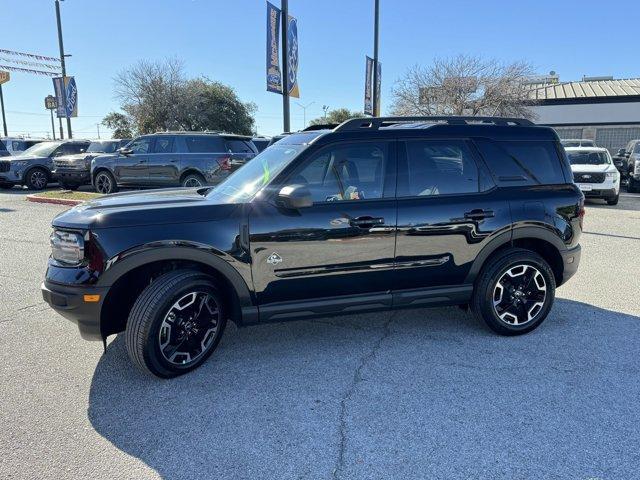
(274, 259)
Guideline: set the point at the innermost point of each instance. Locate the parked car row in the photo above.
(17, 145)
(188, 159)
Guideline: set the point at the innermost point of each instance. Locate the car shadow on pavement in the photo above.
(408, 394)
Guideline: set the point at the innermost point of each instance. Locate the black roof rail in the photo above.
(320, 126)
(374, 123)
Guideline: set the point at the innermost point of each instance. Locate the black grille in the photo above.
(587, 177)
(4, 166)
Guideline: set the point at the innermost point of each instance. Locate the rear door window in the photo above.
(163, 145)
(205, 144)
(438, 168)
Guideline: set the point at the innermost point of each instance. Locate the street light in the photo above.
(325, 109)
(304, 111)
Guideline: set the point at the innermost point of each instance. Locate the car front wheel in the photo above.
(105, 183)
(193, 180)
(175, 324)
(515, 292)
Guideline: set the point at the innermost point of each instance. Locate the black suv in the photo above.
(375, 214)
(169, 159)
(71, 171)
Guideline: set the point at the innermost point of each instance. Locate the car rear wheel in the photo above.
(193, 180)
(105, 183)
(632, 185)
(175, 324)
(37, 179)
(514, 293)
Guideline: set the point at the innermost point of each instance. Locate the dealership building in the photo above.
(598, 108)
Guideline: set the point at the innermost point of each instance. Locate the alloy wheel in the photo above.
(189, 328)
(38, 179)
(103, 183)
(519, 295)
(192, 182)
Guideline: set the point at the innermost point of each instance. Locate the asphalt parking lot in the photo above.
(410, 394)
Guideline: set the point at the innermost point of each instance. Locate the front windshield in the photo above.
(103, 147)
(568, 144)
(43, 149)
(588, 158)
(245, 182)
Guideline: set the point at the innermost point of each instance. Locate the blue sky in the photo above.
(225, 41)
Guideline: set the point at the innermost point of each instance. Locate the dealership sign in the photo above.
(4, 76)
(66, 96)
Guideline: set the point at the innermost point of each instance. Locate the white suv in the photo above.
(594, 173)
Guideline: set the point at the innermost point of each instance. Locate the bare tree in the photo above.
(464, 85)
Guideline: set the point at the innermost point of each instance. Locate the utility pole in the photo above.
(376, 23)
(325, 109)
(285, 67)
(98, 127)
(304, 111)
(61, 131)
(4, 116)
(64, 70)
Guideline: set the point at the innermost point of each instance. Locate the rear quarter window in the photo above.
(205, 144)
(518, 162)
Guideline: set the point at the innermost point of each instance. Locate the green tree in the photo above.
(338, 115)
(157, 96)
(119, 123)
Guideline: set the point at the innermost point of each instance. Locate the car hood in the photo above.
(77, 156)
(593, 168)
(155, 207)
(28, 158)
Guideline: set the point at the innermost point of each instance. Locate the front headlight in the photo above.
(611, 175)
(67, 247)
(637, 167)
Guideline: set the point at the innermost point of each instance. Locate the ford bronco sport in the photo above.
(378, 213)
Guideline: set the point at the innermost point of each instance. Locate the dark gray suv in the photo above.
(188, 159)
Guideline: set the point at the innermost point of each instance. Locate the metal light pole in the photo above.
(304, 111)
(64, 70)
(53, 125)
(376, 23)
(286, 116)
(4, 116)
(325, 109)
(51, 103)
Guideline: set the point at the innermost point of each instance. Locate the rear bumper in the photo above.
(570, 262)
(69, 302)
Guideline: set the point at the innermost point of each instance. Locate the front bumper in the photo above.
(570, 262)
(602, 193)
(68, 301)
(79, 177)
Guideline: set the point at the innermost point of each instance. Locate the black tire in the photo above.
(104, 183)
(632, 185)
(69, 186)
(486, 289)
(37, 179)
(193, 180)
(6, 186)
(614, 200)
(151, 312)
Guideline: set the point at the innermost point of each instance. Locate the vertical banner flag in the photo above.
(368, 102)
(274, 76)
(292, 57)
(378, 85)
(70, 108)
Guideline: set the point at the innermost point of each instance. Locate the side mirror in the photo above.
(621, 152)
(294, 197)
(125, 151)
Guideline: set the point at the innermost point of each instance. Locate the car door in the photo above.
(447, 211)
(164, 163)
(340, 249)
(133, 168)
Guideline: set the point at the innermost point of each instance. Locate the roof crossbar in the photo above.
(374, 123)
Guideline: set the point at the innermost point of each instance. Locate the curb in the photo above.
(55, 201)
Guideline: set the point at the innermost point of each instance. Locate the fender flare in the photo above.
(149, 253)
(533, 232)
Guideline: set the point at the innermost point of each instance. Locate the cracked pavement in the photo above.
(410, 394)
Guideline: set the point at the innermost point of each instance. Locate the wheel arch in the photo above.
(31, 168)
(127, 278)
(536, 239)
(97, 170)
(191, 171)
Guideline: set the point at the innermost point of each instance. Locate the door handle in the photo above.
(366, 222)
(479, 214)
